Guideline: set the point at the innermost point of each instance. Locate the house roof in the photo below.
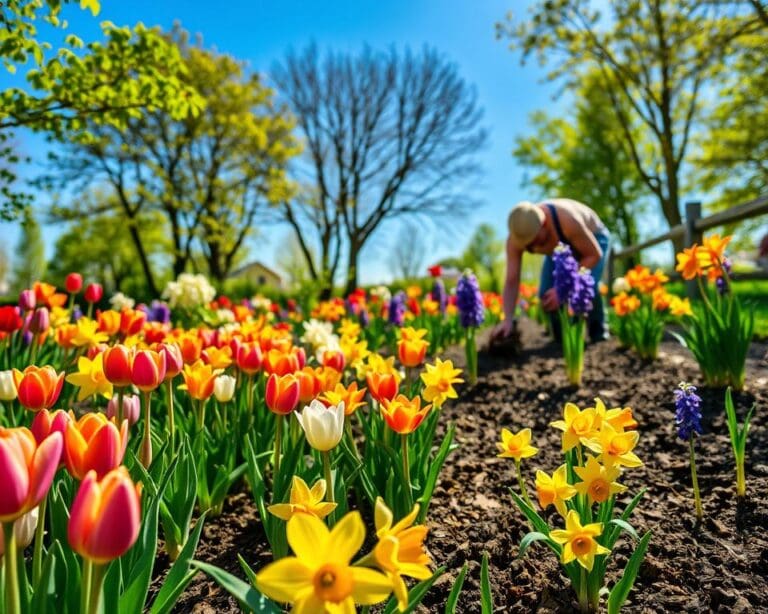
(250, 265)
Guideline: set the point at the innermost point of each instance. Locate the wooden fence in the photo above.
(692, 229)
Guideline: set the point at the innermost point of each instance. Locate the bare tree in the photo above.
(386, 136)
(408, 251)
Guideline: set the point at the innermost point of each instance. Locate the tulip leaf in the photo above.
(45, 596)
(539, 524)
(434, 470)
(626, 526)
(620, 591)
(248, 597)
(453, 596)
(249, 573)
(486, 595)
(179, 575)
(415, 595)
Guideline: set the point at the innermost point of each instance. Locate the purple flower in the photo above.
(158, 312)
(77, 313)
(365, 319)
(565, 272)
(397, 309)
(687, 411)
(439, 295)
(469, 301)
(583, 293)
(721, 282)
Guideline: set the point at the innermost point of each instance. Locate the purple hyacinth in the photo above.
(565, 272)
(469, 301)
(721, 282)
(439, 295)
(364, 317)
(158, 312)
(397, 309)
(687, 411)
(583, 293)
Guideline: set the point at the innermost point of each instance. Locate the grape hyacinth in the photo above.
(687, 411)
(722, 283)
(582, 294)
(469, 301)
(397, 309)
(439, 295)
(565, 271)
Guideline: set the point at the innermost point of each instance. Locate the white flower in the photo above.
(331, 344)
(119, 302)
(261, 303)
(382, 292)
(224, 388)
(225, 316)
(322, 425)
(317, 333)
(24, 528)
(620, 285)
(7, 386)
(189, 291)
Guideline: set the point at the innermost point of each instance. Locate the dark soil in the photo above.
(721, 565)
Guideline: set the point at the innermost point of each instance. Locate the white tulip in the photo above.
(620, 285)
(322, 425)
(224, 388)
(7, 386)
(24, 528)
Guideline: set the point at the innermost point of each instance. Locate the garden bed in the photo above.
(721, 565)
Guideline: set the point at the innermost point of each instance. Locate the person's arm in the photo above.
(511, 284)
(582, 240)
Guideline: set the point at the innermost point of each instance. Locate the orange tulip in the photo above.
(352, 397)
(105, 517)
(94, 443)
(109, 322)
(690, 262)
(383, 386)
(411, 352)
(404, 415)
(26, 470)
(38, 387)
(309, 384)
(198, 380)
(282, 393)
(132, 321)
(191, 348)
(118, 361)
(249, 358)
(46, 295)
(65, 334)
(333, 359)
(218, 358)
(281, 363)
(148, 370)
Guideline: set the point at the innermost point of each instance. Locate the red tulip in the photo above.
(38, 387)
(73, 283)
(118, 362)
(174, 360)
(93, 293)
(46, 422)
(132, 321)
(26, 470)
(249, 358)
(282, 393)
(10, 319)
(148, 370)
(383, 386)
(334, 359)
(105, 517)
(93, 443)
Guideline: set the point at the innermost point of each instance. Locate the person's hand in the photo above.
(504, 329)
(549, 301)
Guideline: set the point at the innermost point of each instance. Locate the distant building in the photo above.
(257, 274)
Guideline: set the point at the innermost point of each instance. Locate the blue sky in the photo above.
(260, 32)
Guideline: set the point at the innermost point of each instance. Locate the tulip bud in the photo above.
(131, 408)
(40, 321)
(24, 530)
(148, 370)
(249, 358)
(73, 283)
(46, 422)
(38, 387)
(27, 300)
(323, 426)
(105, 517)
(93, 293)
(93, 443)
(10, 319)
(174, 359)
(224, 388)
(7, 387)
(334, 359)
(117, 365)
(282, 393)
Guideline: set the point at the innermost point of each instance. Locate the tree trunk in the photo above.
(143, 259)
(354, 257)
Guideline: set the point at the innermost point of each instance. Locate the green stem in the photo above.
(12, 595)
(350, 436)
(86, 586)
(406, 472)
(695, 480)
(521, 482)
(201, 415)
(97, 580)
(37, 557)
(328, 476)
(741, 484)
(583, 597)
(278, 442)
(171, 419)
(119, 412)
(145, 454)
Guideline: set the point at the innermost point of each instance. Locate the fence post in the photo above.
(692, 214)
(611, 270)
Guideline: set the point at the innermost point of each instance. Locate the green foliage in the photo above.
(483, 255)
(738, 437)
(29, 264)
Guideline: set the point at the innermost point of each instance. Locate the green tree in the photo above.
(658, 60)
(210, 175)
(583, 156)
(29, 264)
(484, 254)
(103, 83)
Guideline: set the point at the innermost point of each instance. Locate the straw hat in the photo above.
(525, 220)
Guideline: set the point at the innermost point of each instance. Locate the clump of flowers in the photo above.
(189, 291)
(720, 331)
(469, 301)
(597, 444)
(688, 422)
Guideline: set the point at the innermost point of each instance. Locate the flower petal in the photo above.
(308, 537)
(369, 586)
(285, 580)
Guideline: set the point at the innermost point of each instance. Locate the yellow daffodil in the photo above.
(304, 501)
(439, 380)
(579, 541)
(355, 352)
(598, 481)
(218, 358)
(615, 447)
(408, 333)
(430, 307)
(376, 363)
(90, 378)
(59, 316)
(554, 490)
(319, 578)
(620, 418)
(576, 425)
(680, 307)
(516, 445)
(349, 328)
(351, 396)
(400, 550)
(88, 333)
